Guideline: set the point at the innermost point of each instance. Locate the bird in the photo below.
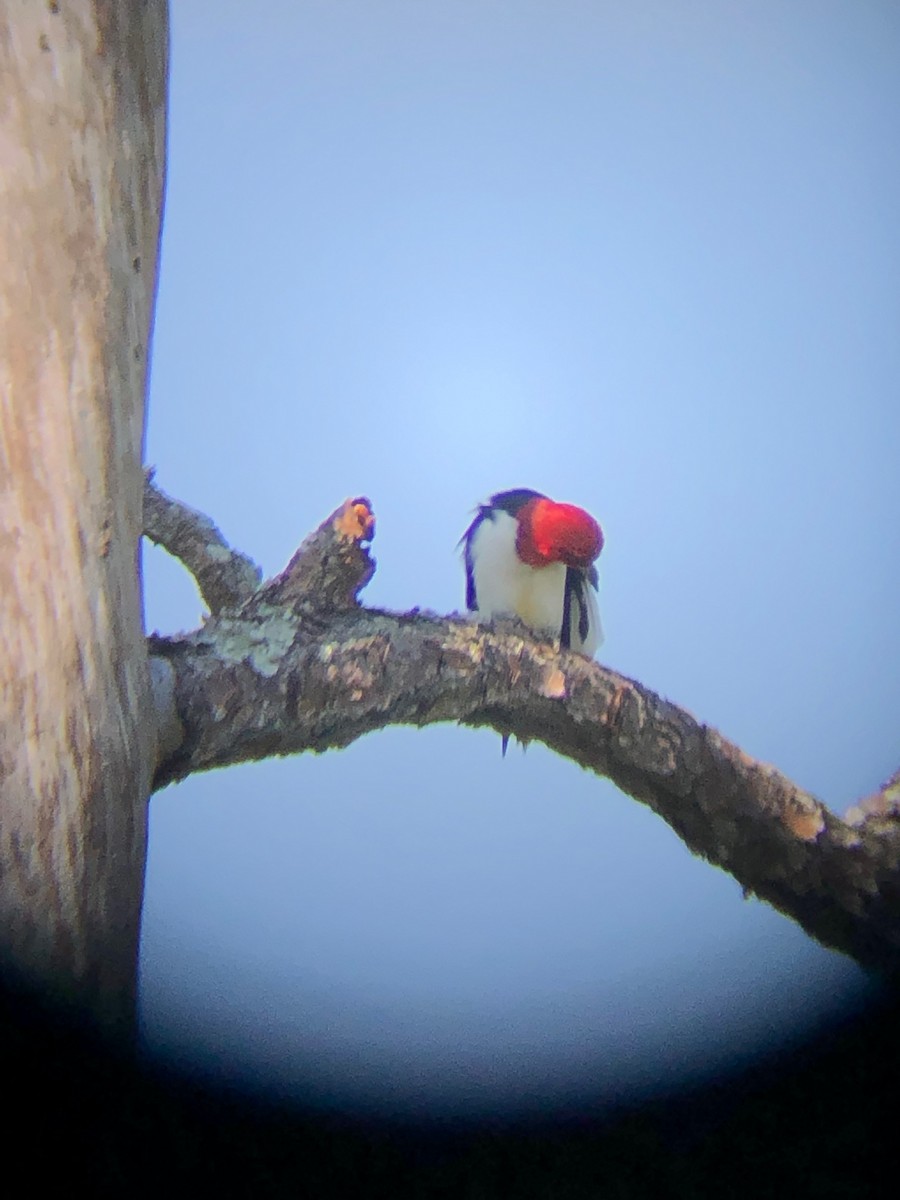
(530, 557)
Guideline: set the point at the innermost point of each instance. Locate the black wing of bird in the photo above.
(508, 502)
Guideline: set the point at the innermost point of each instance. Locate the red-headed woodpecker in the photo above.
(529, 557)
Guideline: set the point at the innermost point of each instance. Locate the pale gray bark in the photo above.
(81, 171)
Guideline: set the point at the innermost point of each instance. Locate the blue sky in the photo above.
(640, 256)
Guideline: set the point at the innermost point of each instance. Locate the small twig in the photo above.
(226, 578)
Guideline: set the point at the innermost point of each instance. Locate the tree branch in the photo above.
(225, 577)
(303, 667)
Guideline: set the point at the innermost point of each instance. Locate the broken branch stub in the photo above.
(332, 565)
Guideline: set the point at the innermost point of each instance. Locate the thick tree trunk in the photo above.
(81, 170)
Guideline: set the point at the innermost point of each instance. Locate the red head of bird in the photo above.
(531, 557)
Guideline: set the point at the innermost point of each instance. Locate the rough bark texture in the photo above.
(302, 667)
(82, 136)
